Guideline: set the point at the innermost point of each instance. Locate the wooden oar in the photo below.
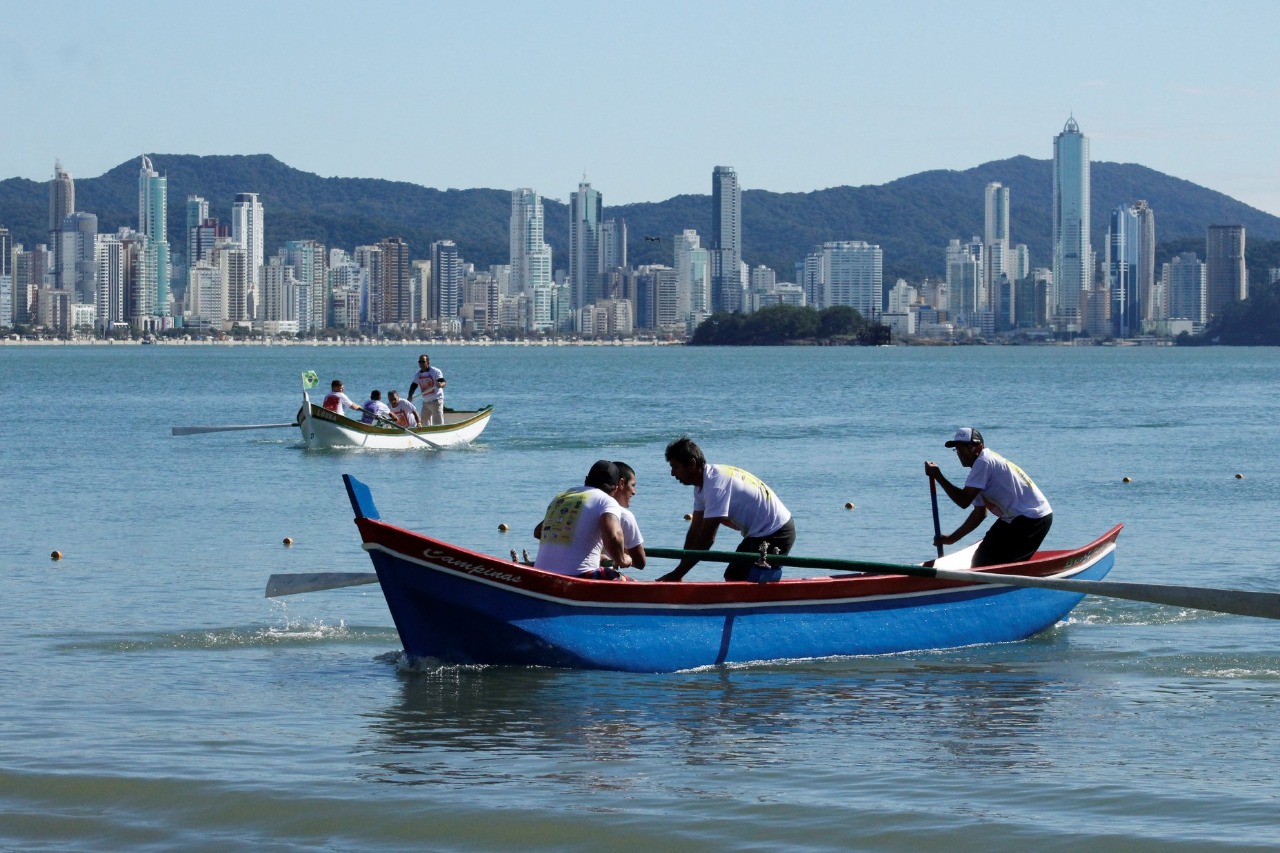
(196, 430)
(1235, 601)
(937, 525)
(292, 584)
(405, 429)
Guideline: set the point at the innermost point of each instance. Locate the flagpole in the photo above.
(309, 380)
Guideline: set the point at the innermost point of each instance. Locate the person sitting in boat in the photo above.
(402, 411)
(730, 496)
(430, 381)
(336, 399)
(581, 523)
(996, 485)
(632, 540)
(374, 408)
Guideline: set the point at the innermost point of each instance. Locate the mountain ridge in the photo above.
(912, 218)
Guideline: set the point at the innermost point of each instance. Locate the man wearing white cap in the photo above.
(998, 486)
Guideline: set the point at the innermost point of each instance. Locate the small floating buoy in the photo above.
(849, 505)
(688, 517)
(288, 542)
(1239, 476)
(503, 527)
(1127, 480)
(56, 555)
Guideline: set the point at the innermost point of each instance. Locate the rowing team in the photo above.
(595, 519)
(428, 379)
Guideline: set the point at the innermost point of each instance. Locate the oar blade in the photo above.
(294, 584)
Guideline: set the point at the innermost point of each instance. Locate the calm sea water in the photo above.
(154, 699)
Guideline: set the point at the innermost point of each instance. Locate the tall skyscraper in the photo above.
(446, 283)
(397, 289)
(1184, 280)
(197, 213)
(1226, 276)
(7, 293)
(586, 282)
(726, 240)
(62, 203)
(153, 213)
(693, 277)
(76, 253)
(1072, 252)
(246, 229)
(309, 260)
(1123, 242)
(1148, 310)
(530, 253)
(998, 263)
(613, 245)
(966, 291)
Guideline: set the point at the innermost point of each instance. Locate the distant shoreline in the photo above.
(317, 343)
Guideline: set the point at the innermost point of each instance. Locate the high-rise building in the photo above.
(197, 213)
(850, 272)
(966, 292)
(1226, 276)
(586, 282)
(62, 203)
(76, 254)
(1123, 241)
(1183, 279)
(1072, 251)
(725, 250)
(246, 229)
(613, 244)
(153, 217)
(110, 257)
(1150, 307)
(446, 283)
(530, 253)
(397, 283)
(998, 262)
(309, 260)
(693, 277)
(7, 311)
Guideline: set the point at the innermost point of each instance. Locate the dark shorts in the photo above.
(780, 540)
(1012, 541)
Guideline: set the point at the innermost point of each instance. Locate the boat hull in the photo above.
(460, 606)
(326, 430)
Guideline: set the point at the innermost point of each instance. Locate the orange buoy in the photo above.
(1239, 476)
(688, 517)
(849, 505)
(503, 527)
(56, 555)
(1127, 480)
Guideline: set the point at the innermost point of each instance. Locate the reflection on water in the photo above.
(501, 725)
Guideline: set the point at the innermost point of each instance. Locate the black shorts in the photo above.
(780, 540)
(1012, 541)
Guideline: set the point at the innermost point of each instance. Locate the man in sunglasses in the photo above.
(430, 381)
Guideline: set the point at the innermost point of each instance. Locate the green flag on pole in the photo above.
(309, 379)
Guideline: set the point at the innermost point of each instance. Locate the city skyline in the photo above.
(791, 119)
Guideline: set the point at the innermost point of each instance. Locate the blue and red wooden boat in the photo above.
(459, 606)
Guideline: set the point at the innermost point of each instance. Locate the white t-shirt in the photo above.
(1005, 489)
(428, 382)
(630, 530)
(404, 412)
(751, 507)
(571, 542)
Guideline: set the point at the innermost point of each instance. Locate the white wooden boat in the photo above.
(326, 430)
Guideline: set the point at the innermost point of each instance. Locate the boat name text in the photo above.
(444, 558)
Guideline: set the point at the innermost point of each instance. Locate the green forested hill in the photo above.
(911, 218)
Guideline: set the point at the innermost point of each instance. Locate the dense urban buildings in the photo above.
(220, 280)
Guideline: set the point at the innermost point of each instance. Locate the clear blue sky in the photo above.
(644, 98)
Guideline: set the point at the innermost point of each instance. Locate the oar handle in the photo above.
(937, 525)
